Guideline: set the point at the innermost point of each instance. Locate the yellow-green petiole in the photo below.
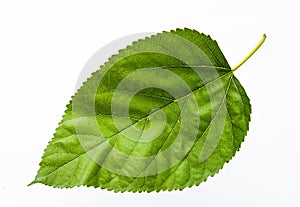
(251, 53)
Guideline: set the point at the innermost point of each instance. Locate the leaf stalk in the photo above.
(251, 53)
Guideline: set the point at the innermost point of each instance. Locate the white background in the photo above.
(44, 46)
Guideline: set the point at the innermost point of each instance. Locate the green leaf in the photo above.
(163, 114)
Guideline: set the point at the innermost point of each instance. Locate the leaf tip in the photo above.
(30, 184)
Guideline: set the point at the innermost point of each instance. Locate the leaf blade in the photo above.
(186, 62)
